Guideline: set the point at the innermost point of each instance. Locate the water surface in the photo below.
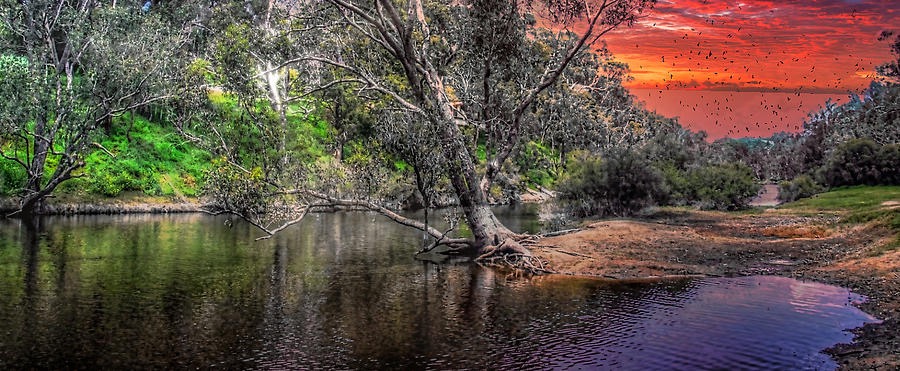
(344, 291)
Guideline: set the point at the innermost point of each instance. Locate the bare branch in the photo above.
(289, 223)
(333, 201)
(369, 81)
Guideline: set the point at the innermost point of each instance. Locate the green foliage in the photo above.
(202, 70)
(862, 161)
(539, 164)
(873, 116)
(12, 177)
(889, 164)
(14, 80)
(242, 191)
(143, 157)
(620, 183)
(307, 135)
(59, 97)
(852, 163)
(722, 187)
(481, 153)
(802, 186)
(677, 183)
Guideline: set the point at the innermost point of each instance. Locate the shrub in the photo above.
(538, 164)
(802, 186)
(722, 187)
(854, 162)
(678, 185)
(619, 184)
(12, 177)
(889, 164)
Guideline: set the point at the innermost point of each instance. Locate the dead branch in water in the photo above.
(560, 233)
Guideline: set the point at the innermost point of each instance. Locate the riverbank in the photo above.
(125, 204)
(138, 203)
(784, 242)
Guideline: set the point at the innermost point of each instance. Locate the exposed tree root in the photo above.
(519, 262)
(511, 254)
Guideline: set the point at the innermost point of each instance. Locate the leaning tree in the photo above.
(450, 75)
(465, 67)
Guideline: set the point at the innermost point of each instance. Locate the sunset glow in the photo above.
(811, 46)
(826, 47)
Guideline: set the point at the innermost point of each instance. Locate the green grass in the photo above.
(851, 199)
(857, 205)
(141, 156)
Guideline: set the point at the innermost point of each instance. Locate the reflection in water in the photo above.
(344, 291)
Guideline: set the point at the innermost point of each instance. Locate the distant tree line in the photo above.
(855, 143)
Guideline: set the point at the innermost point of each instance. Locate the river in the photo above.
(344, 291)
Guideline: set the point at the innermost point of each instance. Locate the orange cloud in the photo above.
(811, 46)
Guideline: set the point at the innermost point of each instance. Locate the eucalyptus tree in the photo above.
(253, 130)
(75, 66)
(441, 77)
(891, 69)
(462, 70)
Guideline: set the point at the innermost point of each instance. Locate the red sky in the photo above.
(810, 47)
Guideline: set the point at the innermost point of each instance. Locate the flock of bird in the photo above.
(733, 60)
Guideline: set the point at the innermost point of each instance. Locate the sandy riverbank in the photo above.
(775, 242)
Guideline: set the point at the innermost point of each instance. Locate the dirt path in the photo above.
(728, 244)
(767, 196)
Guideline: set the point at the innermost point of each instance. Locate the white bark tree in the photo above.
(448, 71)
(428, 50)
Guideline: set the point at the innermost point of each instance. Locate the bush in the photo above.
(143, 156)
(12, 177)
(862, 162)
(889, 164)
(854, 162)
(722, 187)
(678, 185)
(538, 164)
(619, 184)
(802, 186)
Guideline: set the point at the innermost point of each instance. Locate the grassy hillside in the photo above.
(136, 156)
(143, 156)
(139, 156)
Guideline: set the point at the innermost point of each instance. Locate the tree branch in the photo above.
(371, 83)
(332, 201)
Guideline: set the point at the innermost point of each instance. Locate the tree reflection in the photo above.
(174, 292)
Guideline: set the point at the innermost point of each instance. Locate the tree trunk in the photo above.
(32, 202)
(486, 229)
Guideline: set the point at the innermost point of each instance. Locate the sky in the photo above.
(763, 64)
